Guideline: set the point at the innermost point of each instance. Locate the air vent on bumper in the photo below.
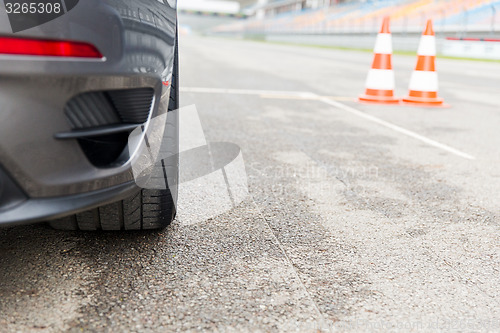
(101, 122)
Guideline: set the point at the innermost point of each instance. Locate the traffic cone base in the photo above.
(419, 104)
(423, 101)
(378, 96)
(423, 97)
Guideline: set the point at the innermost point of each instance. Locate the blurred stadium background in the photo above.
(353, 23)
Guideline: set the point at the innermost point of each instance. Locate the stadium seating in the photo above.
(357, 16)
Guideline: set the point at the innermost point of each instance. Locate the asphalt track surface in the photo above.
(359, 217)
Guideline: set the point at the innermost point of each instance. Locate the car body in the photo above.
(65, 119)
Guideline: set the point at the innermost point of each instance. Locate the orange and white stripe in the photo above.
(424, 83)
(380, 82)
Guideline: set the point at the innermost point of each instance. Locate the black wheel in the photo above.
(147, 209)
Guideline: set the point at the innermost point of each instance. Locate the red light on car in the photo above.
(48, 48)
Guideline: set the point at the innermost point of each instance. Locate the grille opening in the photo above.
(133, 106)
(104, 151)
(99, 109)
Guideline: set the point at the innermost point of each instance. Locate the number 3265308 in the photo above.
(33, 8)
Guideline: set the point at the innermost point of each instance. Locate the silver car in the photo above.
(76, 78)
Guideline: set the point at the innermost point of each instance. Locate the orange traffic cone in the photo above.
(424, 79)
(380, 81)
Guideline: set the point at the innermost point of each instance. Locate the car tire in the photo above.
(149, 208)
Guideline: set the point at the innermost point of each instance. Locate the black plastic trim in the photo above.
(10, 193)
(43, 209)
(96, 131)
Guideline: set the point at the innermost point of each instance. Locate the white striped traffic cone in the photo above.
(380, 82)
(424, 79)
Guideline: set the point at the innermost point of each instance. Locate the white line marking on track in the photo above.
(397, 128)
(302, 94)
(329, 101)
